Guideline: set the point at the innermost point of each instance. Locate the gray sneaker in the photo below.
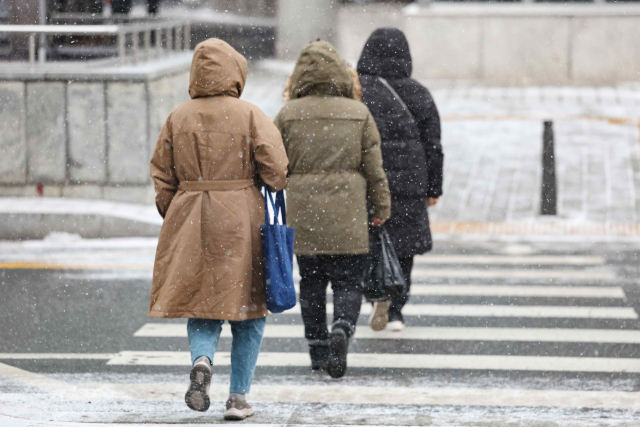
(197, 397)
(237, 410)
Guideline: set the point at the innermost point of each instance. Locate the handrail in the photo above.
(178, 35)
(61, 29)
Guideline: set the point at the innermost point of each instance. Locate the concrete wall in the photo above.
(508, 44)
(89, 139)
(301, 22)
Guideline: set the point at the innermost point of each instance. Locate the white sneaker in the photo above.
(395, 326)
(379, 315)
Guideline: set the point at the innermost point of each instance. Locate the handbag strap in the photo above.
(396, 96)
(281, 206)
(278, 206)
(274, 206)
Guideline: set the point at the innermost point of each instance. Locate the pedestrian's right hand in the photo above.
(377, 222)
(432, 201)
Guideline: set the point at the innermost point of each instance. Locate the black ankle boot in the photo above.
(338, 347)
(319, 356)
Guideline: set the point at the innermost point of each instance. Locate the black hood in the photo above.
(386, 54)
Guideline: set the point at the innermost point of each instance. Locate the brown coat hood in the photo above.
(217, 69)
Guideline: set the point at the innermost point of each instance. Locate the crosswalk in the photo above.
(424, 333)
(533, 315)
(513, 290)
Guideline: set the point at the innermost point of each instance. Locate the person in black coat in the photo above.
(409, 125)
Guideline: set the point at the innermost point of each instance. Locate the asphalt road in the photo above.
(498, 333)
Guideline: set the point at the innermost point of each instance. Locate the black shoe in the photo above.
(395, 316)
(338, 346)
(319, 356)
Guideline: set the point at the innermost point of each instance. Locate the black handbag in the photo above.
(384, 280)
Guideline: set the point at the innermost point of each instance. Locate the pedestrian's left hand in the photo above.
(431, 201)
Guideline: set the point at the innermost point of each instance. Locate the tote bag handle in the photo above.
(278, 207)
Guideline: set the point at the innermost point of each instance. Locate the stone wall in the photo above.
(508, 44)
(89, 138)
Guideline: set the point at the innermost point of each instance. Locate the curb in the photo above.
(556, 228)
(35, 218)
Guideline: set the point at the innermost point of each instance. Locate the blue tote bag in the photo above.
(277, 248)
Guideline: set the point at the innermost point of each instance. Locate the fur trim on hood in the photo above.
(357, 87)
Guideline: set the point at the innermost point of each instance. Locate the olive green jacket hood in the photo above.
(320, 71)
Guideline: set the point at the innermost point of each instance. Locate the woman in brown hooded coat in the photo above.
(211, 156)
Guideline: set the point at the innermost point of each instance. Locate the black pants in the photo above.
(397, 304)
(346, 273)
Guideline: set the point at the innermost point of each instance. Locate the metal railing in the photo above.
(177, 36)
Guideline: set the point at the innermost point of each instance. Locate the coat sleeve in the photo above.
(163, 170)
(377, 184)
(268, 152)
(424, 109)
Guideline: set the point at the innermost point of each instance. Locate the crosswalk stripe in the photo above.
(496, 273)
(515, 291)
(520, 291)
(468, 310)
(373, 395)
(165, 330)
(56, 356)
(57, 266)
(400, 361)
(420, 272)
(509, 260)
(331, 394)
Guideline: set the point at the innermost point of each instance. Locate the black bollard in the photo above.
(548, 201)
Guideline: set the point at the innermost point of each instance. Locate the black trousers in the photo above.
(395, 309)
(345, 272)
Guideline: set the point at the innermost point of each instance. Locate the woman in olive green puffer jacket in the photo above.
(335, 163)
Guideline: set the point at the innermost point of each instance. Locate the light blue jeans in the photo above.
(204, 335)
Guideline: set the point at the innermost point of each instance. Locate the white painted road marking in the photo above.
(497, 273)
(166, 330)
(58, 356)
(400, 361)
(343, 394)
(362, 395)
(468, 310)
(515, 291)
(420, 272)
(520, 291)
(509, 260)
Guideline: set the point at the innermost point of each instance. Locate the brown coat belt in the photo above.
(217, 185)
